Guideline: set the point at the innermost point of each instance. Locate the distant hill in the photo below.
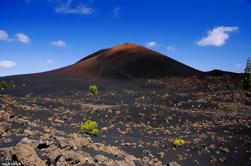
(219, 73)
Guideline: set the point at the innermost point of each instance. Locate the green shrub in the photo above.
(28, 95)
(12, 84)
(179, 142)
(166, 95)
(247, 76)
(93, 89)
(90, 127)
(247, 81)
(3, 85)
(7, 85)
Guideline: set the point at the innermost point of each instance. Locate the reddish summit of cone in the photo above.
(128, 47)
(127, 61)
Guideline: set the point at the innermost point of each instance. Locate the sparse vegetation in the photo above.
(12, 84)
(3, 85)
(185, 123)
(28, 95)
(93, 89)
(179, 142)
(166, 95)
(61, 108)
(90, 127)
(247, 76)
(7, 85)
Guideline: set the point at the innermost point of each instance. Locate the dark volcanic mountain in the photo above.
(126, 61)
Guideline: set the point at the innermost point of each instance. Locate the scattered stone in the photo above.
(196, 162)
(59, 121)
(101, 158)
(173, 164)
(212, 159)
(25, 153)
(161, 154)
(222, 159)
(28, 132)
(104, 128)
(224, 149)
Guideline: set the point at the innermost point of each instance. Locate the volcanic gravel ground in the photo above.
(212, 117)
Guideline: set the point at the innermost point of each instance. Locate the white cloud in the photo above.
(23, 38)
(73, 7)
(151, 44)
(171, 48)
(58, 43)
(217, 36)
(49, 61)
(7, 64)
(4, 35)
(79, 10)
(116, 12)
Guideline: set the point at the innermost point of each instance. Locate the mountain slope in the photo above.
(126, 61)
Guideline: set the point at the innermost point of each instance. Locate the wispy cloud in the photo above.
(7, 64)
(73, 7)
(151, 44)
(58, 43)
(4, 35)
(217, 36)
(70, 6)
(49, 61)
(21, 37)
(171, 48)
(116, 12)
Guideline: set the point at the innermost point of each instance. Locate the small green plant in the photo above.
(23, 85)
(3, 85)
(7, 85)
(90, 127)
(12, 84)
(93, 89)
(179, 142)
(247, 76)
(166, 95)
(28, 95)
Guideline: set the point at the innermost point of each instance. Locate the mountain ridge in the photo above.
(126, 61)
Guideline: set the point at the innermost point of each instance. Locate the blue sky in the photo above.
(40, 35)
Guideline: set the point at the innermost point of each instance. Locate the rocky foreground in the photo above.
(138, 125)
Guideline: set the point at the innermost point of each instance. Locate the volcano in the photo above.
(126, 61)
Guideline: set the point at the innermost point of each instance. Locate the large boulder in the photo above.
(25, 153)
